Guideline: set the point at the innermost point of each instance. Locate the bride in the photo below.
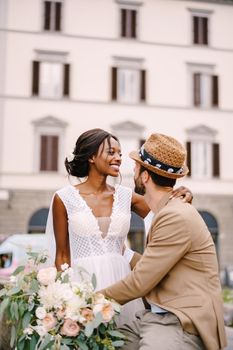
(90, 221)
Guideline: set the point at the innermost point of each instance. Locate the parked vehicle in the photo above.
(13, 252)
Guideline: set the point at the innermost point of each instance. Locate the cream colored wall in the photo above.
(167, 109)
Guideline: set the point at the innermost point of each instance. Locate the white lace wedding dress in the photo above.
(96, 243)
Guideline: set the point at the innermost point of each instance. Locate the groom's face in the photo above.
(139, 187)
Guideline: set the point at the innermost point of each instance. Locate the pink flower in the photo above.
(47, 275)
(60, 314)
(70, 328)
(106, 310)
(49, 321)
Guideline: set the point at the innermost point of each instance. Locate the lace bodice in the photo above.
(86, 238)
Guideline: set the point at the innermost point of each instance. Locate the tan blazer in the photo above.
(179, 272)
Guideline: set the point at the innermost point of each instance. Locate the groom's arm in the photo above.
(165, 248)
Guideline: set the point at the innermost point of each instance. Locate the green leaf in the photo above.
(26, 319)
(82, 345)
(33, 342)
(65, 279)
(66, 341)
(21, 344)
(15, 310)
(34, 286)
(118, 343)
(116, 334)
(64, 347)
(3, 292)
(13, 336)
(89, 329)
(33, 254)
(14, 290)
(4, 304)
(18, 270)
(94, 281)
(47, 342)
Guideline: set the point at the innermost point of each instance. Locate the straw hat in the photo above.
(162, 155)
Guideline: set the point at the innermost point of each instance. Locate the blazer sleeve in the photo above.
(136, 257)
(169, 241)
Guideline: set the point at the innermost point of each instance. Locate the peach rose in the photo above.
(60, 314)
(106, 310)
(47, 275)
(70, 328)
(87, 314)
(49, 321)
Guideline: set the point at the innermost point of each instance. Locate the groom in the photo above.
(178, 273)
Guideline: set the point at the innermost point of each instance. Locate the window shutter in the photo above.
(123, 23)
(188, 160)
(205, 30)
(114, 83)
(54, 160)
(196, 89)
(58, 8)
(35, 77)
(43, 152)
(195, 29)
(66, 83)
(47, 14)
(215, 90)
(216, 165)
(143, 85)
(133, 23)
(49, 153)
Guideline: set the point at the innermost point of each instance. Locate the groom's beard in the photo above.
(139, 187)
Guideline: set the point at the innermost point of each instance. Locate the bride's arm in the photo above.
(139, 206)
(60, 224)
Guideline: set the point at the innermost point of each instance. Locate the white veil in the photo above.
(50, 238)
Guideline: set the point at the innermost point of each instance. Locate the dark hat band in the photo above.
(150, 160)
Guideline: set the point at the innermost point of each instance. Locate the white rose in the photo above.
(28, 331)
(40, 312)
(64, 266)
(47, 275)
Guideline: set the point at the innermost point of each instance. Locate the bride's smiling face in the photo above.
(108, 158)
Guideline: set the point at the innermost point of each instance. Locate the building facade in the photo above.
(131, 67)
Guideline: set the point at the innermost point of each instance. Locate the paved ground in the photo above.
(229, 331)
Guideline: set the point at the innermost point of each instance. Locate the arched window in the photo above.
(212, 225)
(37, 222)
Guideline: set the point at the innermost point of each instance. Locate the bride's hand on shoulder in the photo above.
(183, 192)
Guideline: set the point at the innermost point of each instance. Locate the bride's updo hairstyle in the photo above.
(87, 145)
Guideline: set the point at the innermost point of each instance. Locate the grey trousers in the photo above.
(158, 332)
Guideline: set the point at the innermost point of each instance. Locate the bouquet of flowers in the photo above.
(45, 309)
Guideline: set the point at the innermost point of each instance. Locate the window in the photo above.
(49, 153)
(49, 145)
(52, 15)
(50, 77)
(200, 30)
(204, 86)
(129, 134)
(200, 26)
(128, 23)
(202, 153)
(205, 90)
(128, 82)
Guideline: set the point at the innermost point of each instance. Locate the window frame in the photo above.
(52, 28)
(209, 98)
(131, 6)
(60, 58)
(49, 126)
(204, 13)
(121, 64)
(203, 136)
